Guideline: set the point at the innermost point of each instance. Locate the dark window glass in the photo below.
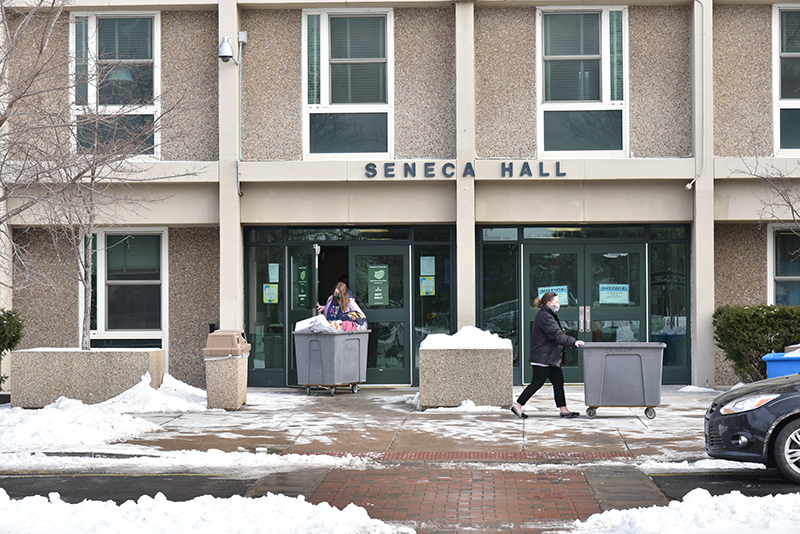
(787, 254)
(668, 232)
(349, 234)
(500, 306)
(790, 128)
(125, 60)
(122, 134)
(669, 300)
(584, 232)
(432, 234)
(583, 130)
(263, 236)
(348, 132)
(133, 282)
(572, 56)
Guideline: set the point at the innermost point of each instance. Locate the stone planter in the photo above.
(40, 376)
(448, 377)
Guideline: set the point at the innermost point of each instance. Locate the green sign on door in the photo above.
(378, 285)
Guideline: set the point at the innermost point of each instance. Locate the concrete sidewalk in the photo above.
(453, 470)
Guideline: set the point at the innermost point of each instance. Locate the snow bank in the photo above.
(701, 512)
(65, 424)
(203, 515)
(468, 337)
(69, 424)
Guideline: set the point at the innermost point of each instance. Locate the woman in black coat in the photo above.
(548, 341)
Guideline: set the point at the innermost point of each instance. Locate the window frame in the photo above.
(101, 263)
(779, 103)
(325, 105)
(76, 109)
(605, 103)
(772, 275)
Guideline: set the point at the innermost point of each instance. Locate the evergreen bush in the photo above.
(747, 333)
(10, 334)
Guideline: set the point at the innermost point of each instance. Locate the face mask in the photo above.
(556, 307)
(336, 297)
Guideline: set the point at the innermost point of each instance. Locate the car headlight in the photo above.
(746, 404)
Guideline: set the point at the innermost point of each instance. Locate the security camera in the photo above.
(225, 51)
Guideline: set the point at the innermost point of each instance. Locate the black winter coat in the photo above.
(548, 339)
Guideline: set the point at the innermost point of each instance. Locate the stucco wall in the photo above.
(272, 80)
(425, 83)
(505, 82)
(743, 80)
(740, 264)
(189, 77)
(193, 297)
(45, 292)
(660, 81)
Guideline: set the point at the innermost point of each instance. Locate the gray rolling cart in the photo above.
(331, 359)
(622, 374)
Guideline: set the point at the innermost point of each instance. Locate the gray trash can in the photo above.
(331, 359)
(622, 374)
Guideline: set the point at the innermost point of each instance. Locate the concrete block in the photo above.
(448, 377)
(42, 375)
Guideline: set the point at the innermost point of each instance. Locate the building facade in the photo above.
(453, 160)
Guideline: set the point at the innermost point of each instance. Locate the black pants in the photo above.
(540, 374)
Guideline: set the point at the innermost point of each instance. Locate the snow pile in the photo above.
(468, 337)
(66, 423)
(468, 406)
(172, 397)
(69, 424)
(148, 515)
(701, 512)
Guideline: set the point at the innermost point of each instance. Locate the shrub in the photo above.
(10, 334)
(747, 333)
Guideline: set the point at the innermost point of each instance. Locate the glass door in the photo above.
(302, 295)
(380, 279)
(560, 269)
(601, 289)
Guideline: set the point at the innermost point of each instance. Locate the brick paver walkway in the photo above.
(441, 500)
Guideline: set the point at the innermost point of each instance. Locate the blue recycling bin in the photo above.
(782, 363)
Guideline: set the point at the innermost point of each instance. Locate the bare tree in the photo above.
(74, 131)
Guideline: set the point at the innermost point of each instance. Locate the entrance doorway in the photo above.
(379, 279)
(602, 290)
(402, 278)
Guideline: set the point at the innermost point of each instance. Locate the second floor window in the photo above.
(115, 100)
(583, 74)
(788, 85)
(349, 80)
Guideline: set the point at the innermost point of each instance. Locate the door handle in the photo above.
(588, 319)
(581, 311)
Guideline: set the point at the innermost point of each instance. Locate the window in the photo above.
(787, 83)
(129, 285)
(115, 67)
(348, 82)
(786, 267)
(583, 71)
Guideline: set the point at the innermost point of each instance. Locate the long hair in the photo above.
(344, 295)
(544, 299)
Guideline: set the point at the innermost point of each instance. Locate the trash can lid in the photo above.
(225, 342)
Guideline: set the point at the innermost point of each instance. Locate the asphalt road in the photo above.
(74, 488)
(750, 482)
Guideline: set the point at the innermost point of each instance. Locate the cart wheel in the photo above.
(354, 388)
(650, 413)
(308, 390)
(333, 391)
(591, 412)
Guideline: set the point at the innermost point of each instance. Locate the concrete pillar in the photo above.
(703, 223)
(231, 248)
(465, 156)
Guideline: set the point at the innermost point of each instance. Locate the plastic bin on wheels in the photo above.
(331, 359)
(622, 374)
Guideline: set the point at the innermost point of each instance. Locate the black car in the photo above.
(758, 422)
